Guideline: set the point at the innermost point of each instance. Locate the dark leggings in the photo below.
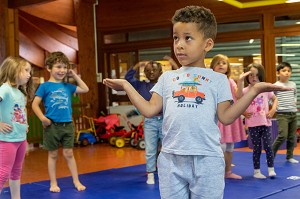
(258, 135)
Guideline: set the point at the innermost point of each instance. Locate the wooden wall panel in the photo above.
(3, 30)
(116, 16)
(8, 31)
(86, 57)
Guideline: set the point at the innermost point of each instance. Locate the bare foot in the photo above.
(54, 188)
(79, 186)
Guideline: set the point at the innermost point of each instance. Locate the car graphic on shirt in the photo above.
(189, 89)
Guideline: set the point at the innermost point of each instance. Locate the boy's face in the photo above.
(190, 46)
(58, 72)
(284, 74)
(152, 72)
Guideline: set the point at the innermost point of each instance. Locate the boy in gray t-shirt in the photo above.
(193, 98)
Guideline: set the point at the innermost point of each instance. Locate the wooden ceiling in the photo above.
(49, 25)
(46, 26)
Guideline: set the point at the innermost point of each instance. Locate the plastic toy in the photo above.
(88, 135)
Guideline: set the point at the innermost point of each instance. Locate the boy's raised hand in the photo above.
(116, 84)
(71, 73)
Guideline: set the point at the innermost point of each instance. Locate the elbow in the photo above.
(227, 121)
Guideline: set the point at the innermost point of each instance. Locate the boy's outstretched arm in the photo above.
(146, 108)
(228, 113)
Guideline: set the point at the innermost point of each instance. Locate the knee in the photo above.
(16, 174)
(53, 155)
(68, 153)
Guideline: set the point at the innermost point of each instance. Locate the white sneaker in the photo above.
(258, 174)
(271, 171)
(292, 160)
(150, 178)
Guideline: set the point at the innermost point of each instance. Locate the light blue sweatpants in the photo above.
(190, 176)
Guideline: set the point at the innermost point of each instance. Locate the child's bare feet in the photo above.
(54, 188)
(79, 186)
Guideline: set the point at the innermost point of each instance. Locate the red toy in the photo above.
(108, 127)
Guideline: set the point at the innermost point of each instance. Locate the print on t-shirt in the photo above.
(190, 88)
(19, 114)
(59, 98)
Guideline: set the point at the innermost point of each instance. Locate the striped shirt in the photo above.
(287, 100)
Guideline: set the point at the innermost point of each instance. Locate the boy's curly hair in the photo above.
(200, 15)
(56, 57)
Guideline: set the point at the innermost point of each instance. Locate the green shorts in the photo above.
(59, 133)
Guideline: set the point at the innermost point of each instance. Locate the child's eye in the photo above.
(188, 38)
(175, 38)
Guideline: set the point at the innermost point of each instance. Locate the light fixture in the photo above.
(251, 41)
(289, 45)
(251, 4)
(292, 1)
(283, 55)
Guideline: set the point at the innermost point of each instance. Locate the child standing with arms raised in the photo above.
(191, 161)
(286, 112)
(152, 126)
(258, 118)
(15, 86)
(235, 131)
(57, 120)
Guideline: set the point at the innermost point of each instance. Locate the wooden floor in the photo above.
(97, 157)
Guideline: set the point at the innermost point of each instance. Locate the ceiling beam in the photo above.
(20, 3)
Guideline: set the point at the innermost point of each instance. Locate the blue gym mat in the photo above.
(129, 182)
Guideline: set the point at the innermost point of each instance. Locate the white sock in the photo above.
(271, 172)
(258, 174)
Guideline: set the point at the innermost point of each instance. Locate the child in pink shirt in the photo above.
(258, 118)
(235, 131)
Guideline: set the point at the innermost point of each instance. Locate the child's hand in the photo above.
(267, 87)
(244, 75)
(270, 114)
(45, 122)
(71, 73)
(5, 128)
(247, 114)
(116, 84)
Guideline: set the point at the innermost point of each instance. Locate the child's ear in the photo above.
(277, 73)
(48, 68)
(209, 44)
